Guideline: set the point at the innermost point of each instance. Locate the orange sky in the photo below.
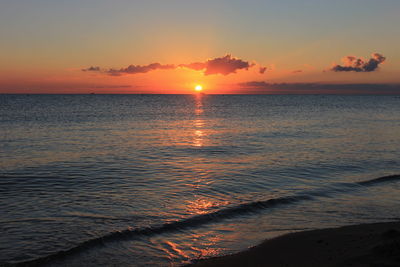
(46, 45)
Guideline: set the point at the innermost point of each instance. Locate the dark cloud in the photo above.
(255, 84)
(297, 71)
(225, 65)
(220, 65)
(92, 69)
(262, 70)
(351, 63)
(135, 69)
(262, 87)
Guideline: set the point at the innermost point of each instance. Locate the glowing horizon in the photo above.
(137, 47)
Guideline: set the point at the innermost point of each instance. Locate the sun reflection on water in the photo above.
(204, 244)
(199, 123)
(202, 206)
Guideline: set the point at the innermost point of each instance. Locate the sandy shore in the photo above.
(357, 245)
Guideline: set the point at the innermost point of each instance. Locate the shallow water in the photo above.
(165, 179)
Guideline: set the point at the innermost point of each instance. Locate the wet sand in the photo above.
(356, 245)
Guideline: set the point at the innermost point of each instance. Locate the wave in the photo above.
(379, 180)
(198, 220)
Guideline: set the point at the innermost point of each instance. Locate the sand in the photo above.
(356, 245)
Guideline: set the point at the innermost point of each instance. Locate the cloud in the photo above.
(92, 69)
(135, 69)
(297, 71)
(221, 65)
(262, 87)
(262, 70)
(351, 63)
(254, 84)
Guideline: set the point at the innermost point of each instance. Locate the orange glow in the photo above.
(198, 88)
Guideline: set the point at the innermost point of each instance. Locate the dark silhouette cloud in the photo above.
(92, 69)
(297, 71)
(262, 70)
(225, 65)
(255, 84)
(351, 63)
(220, 65)
(135, 69)
(262, 87)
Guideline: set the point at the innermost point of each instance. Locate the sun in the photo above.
(198, 88)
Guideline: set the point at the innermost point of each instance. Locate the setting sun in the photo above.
(198, 88)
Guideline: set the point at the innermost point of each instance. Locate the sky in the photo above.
(227, 46)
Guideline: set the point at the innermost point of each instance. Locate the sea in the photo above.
(165, 180)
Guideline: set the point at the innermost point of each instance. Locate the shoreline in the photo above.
(376, 244)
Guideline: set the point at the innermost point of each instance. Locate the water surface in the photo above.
(165, 179)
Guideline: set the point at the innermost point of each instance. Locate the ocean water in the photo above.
(136, 180)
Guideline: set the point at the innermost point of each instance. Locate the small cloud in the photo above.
(255, 84)
(92, 69)
(352, 63)
(262, 70)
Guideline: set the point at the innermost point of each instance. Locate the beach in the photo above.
(375, 244)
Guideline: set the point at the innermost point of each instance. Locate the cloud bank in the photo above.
(262, 87)
(351, 63)
(221, 65)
